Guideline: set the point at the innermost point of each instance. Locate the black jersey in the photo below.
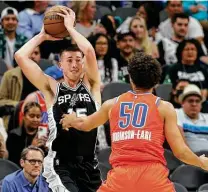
(68, 144)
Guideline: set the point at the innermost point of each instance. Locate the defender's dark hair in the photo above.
(30, 148)
(30, 105)
(179, 15)
(72, 48)
(144, 71)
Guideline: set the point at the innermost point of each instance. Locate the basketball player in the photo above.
(139, 123)
(70, 165)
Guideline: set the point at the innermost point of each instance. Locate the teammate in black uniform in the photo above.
(70, 164)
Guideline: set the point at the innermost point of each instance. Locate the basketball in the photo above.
(53, 23)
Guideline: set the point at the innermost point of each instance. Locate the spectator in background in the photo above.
(38, 97)
(142, 40)
(15, 86)
(27, 134)
(167, 47)
(194, 123)
(188, 66)
(108, 66)
(177, 91)
(10, 41)
(108, 22)
(194, 28)
(126, 45)
(146, 11)
(85, 13)
(3, 150)
(198, 10)
(149, 14)
(30, 178)
(31, 19)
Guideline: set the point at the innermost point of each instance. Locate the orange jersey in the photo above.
(137, 133)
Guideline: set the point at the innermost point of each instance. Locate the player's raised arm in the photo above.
(31, 70)
(176, 141)
(85, 46)
(87, 123)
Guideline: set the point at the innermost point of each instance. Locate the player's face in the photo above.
(137, 27)
(101, 46)
(174, 7)
(32, 165)
(9, 23)
(189, 53)
(32, 118)
(72, 64)
(192, 106)
(126, 45)
(180, 27)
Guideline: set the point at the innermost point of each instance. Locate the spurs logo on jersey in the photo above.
(73, 98)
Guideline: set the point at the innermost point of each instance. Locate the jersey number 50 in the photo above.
(132, 114)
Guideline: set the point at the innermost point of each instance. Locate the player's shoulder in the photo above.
(166, 105)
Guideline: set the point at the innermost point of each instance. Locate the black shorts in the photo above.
(79, 175)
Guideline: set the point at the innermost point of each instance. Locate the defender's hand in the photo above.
(67, 119)
(204, 162)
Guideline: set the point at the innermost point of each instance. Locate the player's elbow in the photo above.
(18, 56)
(90, 52)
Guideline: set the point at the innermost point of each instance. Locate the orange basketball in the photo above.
(53, 23)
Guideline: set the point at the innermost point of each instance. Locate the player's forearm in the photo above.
(27, 49)
(82, 124)
(81, 41)
(187, 156)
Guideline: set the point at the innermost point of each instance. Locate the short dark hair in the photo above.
(144, 70)
(30, 105)
(71, 48)
(122, 35)
(30, 148)
(179, 15)
(182, 45)
(168, 2)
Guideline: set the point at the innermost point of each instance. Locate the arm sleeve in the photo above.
(6, 187)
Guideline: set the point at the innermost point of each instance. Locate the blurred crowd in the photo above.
(173, 32)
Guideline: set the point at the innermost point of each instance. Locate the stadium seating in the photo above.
(203, 188)
(172, 161)
(7, 167)
(189, 176)
(112, 90)
(180, 188)
(163, 91)
(124, 12)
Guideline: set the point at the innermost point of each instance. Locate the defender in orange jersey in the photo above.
(139, 123)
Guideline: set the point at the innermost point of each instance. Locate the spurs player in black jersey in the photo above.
(70, 164)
